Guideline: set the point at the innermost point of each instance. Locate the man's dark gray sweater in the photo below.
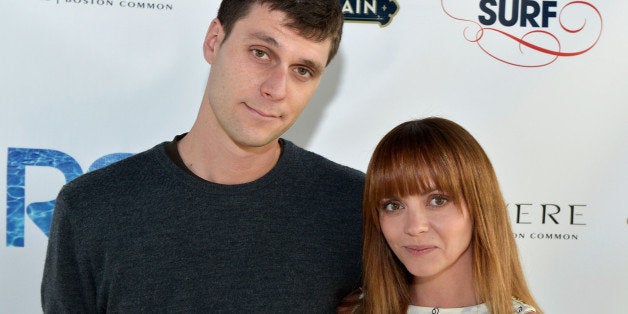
(143, 235)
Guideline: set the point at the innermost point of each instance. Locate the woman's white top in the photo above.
(518, 307)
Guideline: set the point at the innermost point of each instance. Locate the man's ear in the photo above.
(213, 40)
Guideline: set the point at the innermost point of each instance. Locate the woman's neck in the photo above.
(451, 288)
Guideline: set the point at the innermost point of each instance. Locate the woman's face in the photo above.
(428, 233)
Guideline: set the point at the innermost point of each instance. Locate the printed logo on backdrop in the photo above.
(548, 221)
(125, 4)
(528, 33)
(40, 213)
(370, 11)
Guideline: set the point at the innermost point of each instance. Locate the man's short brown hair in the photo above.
(312, 19)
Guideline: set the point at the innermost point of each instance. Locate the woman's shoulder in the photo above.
(520, 307)
(350, 303)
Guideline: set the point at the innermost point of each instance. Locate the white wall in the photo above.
(86, 80)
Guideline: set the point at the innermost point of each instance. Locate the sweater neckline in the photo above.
(171, 160)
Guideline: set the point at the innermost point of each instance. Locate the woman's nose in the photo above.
(416, 222)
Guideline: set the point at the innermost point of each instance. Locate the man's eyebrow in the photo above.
(316, 67)
(265, 38)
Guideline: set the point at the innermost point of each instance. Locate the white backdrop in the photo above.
(83, 79)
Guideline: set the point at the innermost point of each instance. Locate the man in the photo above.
(228, 217)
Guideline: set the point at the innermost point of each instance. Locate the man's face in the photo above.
(262, 76)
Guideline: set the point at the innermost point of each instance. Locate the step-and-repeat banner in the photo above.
(541, 84)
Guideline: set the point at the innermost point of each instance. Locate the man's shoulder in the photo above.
(126, 171)
(317, 164)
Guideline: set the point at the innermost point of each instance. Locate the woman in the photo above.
(436, 233)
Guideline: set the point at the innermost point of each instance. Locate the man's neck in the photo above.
(225, 162)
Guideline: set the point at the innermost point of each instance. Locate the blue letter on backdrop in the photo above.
(40, 212)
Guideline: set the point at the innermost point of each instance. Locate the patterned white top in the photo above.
(518, 307)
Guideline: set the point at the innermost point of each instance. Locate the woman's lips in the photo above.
(420, 249)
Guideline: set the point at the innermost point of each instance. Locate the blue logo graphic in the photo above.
(371, 11)
(39, 212)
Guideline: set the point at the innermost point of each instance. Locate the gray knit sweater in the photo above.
(142, 235)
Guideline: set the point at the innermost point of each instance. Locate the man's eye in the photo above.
(303, 71)
(260, 54)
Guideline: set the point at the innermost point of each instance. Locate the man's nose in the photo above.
(274, 86)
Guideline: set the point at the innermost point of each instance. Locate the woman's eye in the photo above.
(391, 206)
(260, 54)
(438, 200)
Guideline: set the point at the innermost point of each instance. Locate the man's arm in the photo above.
(65, 286)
